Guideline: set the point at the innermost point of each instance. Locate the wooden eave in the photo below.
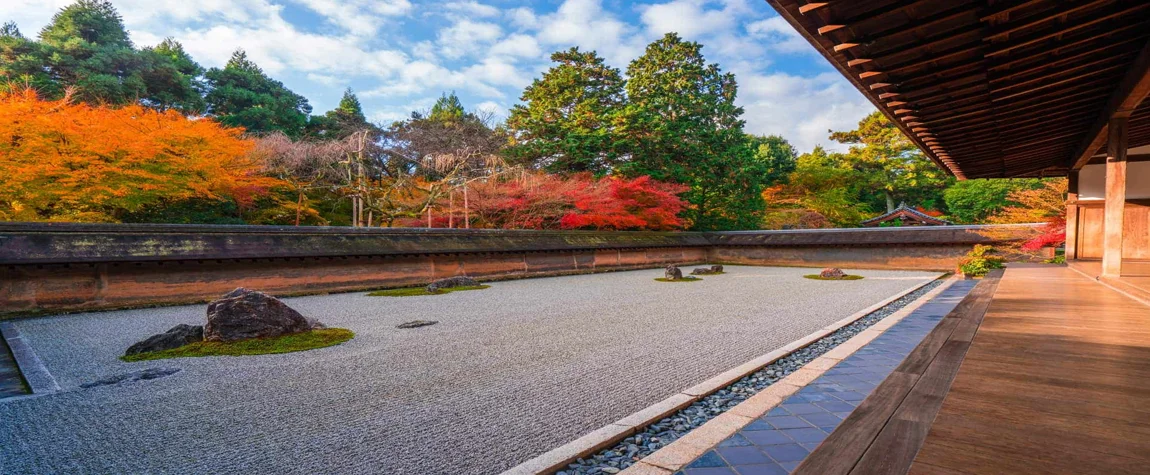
(992, 88)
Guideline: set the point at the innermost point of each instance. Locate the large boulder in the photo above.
(832, 273)
(175, 337)
(243, 314)
(673, 273)
(452, 282)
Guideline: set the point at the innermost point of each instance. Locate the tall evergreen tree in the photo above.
(893, 167)
(448, 108)
(565, 124)
(173, 79)
(22, 62)
(88, 48)
(85, 47)
(682, 125)
(241, 95)
(345, 119)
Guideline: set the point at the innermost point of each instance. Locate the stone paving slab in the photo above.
(11, 382)
(508, 373)
(782, 438)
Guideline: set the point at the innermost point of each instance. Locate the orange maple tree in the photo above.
(68, 161)
(1046, 205)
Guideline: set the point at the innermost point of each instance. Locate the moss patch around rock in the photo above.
(418, 291)
(684, 279)
(308, 340)
(845, 277)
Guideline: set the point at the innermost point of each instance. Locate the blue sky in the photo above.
(400, 55)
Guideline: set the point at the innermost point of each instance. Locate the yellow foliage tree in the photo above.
(67, 161)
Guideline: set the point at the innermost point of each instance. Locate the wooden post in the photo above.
(1115, 198)
(1072, 215)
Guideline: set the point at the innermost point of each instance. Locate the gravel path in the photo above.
(509, 372)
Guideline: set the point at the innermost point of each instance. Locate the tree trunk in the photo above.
(298, 206)
(466, 210)
(889, 201)
(451, 209)
(429, 216)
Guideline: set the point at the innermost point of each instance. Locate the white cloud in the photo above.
(497, 72)
(779, 36)
(691, 18)
(584, 23)
(473, 9)
(324, 79)
(425, 77)
(801, 109)
(465, 37)
(517, 45)
(523, 17)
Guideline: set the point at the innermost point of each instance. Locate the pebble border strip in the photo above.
(661, 433)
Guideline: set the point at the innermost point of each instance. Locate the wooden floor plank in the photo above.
(1057, 380)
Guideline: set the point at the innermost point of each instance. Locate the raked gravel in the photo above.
(507, 374)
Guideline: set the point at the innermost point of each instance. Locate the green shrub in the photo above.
(980, 261)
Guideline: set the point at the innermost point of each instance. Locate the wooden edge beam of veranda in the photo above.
(884, 433)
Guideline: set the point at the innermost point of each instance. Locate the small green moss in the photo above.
(419, 291)
(845, 277)
(309, 340)
(684, 279)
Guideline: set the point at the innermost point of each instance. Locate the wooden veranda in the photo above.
(1045, 370)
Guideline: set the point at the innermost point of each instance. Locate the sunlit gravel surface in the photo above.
(507, 374)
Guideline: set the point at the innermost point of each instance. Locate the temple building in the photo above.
(904, 216)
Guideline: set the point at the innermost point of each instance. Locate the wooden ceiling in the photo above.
(992, 88)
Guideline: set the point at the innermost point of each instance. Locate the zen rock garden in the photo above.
(498, 363)
(241, 315)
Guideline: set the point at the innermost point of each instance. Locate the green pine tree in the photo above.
(241, 95)
(682, 125)
(448, 108)
(173, 79)
(565, 124)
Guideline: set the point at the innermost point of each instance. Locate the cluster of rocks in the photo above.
(452, 282)
(241, 314)
(832, 273)
(667, 430)
(715, 269)
(673, 273)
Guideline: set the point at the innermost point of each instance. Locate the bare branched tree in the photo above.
(447, 154)
(303, 165)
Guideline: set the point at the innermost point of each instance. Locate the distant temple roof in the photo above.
(908, 216)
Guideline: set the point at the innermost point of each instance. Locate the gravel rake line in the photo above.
(660, 434)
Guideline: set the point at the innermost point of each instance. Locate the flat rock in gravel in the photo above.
(141, 375)
(175, 337)
(244, 314)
